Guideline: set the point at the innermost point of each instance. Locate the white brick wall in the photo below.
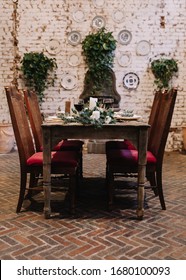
(33, 23)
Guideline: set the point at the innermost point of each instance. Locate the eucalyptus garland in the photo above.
(96, 117)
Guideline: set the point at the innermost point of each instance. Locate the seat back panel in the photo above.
(20, 124)
(35, 117)
(161, 122)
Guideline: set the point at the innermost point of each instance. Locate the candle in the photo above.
(67, 107)
(92, 103)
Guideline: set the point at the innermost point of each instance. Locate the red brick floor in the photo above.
(94, 233)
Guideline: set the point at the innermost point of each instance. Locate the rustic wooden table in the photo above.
(135, 131)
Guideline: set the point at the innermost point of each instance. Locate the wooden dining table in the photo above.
(136, 131)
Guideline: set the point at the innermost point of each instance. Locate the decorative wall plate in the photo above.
(74, 59)
(124, 59)
(124, 37)
(78, 16)
(143, 48)
(74, 38)
(118, 16)
(98, 22)
(53, 47)
(98, 3)
(131, 80)
(68, 81)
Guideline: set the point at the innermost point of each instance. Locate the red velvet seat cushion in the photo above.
(62, 158)
(68, 145)
(125, 144)
(128, 157)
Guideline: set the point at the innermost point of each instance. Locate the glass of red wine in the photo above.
(79, 105)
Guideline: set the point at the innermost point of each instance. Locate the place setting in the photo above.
(126, 115)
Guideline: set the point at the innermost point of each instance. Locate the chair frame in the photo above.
(160, 121)
(26, 149)
(36, 119)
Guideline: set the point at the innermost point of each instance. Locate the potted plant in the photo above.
(163, 70)
(37, 72)
(98, 52)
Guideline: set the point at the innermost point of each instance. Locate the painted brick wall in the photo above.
(29, 25)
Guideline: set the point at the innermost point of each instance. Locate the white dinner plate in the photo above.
(123, 118)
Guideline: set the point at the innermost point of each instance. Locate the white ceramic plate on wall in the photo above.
(131, 80)
(74, 59)
(98, 3)
(78, 16)
(68, 81)
(143, 48)
(53, 47)
(124, 37)
(98, 22)
(118, 16)
(124, 59)
(74, 38)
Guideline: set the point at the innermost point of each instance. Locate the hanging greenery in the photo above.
(163, 70)
(37, 72)
(98, 51)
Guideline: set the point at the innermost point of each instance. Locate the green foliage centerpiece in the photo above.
(97, 116)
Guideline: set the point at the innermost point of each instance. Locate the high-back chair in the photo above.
(125, 161)
(126, 144)
(35, 117)
(31, 162)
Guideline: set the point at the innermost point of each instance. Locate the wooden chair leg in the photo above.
(81, 166)
(72, 192)
(110, 188)
(23, 181)
(151, 177)
(32, 183)
(160, 189)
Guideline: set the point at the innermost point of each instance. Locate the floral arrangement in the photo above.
(98, 116)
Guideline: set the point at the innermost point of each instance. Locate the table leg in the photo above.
(142, 154)
(47, 171)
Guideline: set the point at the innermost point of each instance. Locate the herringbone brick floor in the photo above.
(94, 233)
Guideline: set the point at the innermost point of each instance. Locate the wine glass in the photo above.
(79, 104)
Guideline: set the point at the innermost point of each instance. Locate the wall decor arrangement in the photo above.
(131, 81)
